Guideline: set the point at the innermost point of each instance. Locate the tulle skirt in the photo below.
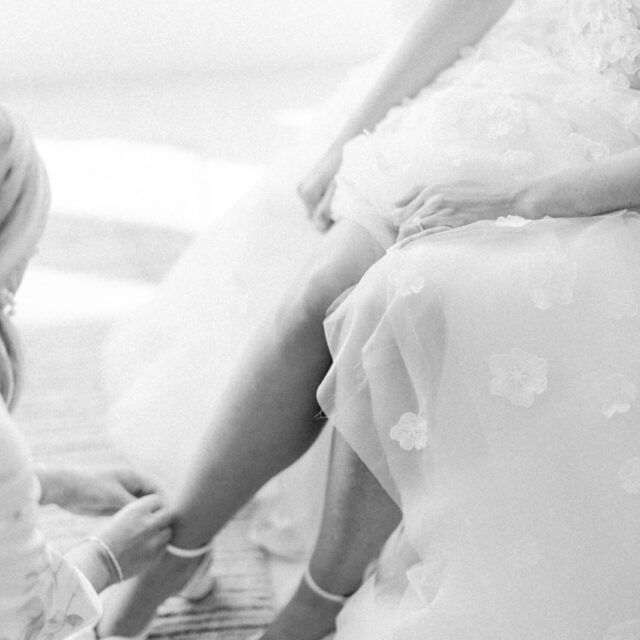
(488, 375)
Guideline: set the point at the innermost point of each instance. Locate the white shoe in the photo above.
(201, 583)
(141, 636)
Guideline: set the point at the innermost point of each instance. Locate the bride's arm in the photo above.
(603, 187)
(430, 46)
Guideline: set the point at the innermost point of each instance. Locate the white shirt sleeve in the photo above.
(42, 596)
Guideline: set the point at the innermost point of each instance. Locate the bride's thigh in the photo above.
(343, 256)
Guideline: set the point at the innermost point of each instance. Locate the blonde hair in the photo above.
(24, 204)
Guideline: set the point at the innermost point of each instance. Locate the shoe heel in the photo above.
(201, 583)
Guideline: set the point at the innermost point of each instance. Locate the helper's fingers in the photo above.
(151, 503)
(163, 518)
(430, 231)
(138, 484)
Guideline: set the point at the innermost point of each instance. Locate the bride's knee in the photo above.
(306, 304)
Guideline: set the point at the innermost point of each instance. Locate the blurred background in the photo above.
(154, 117)
(160, 112)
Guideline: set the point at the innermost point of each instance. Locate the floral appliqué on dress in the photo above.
(518, 164)
(506, 118)
(512, 221)
(411, 432)
(551, 277)
(629, 630)
(405, 278)
(518, 376)
(615, 394)
(629, 476)
(623, 304)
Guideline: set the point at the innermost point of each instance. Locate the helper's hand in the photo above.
(93, 492)
(318, 187)
(428, 210)
(138, 533)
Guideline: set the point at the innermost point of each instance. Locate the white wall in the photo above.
(78, 39)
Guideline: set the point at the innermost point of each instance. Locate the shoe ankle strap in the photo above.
(318, 590)
(180, 552)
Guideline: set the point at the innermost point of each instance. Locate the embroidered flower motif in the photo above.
(623, 303)
(629, 476)
(615, 394)
(592, 150)
(518, 376)
(629, 630)
(406, 278)
(411, 432)
(518, 164)
(525, 554)
(607, 38)
(551, 278)
(454, 157)
(506, 118)
(511, 221)
(632, 113)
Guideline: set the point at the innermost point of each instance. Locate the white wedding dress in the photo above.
(489, 375)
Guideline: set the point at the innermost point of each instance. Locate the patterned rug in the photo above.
(63, 413)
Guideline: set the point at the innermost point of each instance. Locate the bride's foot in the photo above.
(131, 606)
(309, 615)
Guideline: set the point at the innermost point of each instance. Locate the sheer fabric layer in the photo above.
(489, 377)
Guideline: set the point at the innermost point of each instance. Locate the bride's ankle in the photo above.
(331, 593)
(307, 616)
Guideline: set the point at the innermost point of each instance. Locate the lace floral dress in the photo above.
(489, 375)
(42, 597)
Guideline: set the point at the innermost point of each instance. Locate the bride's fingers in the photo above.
(402, 215)
(433, 205)
(409, 197)
(423, 234)
(322, 214)
(423, 224)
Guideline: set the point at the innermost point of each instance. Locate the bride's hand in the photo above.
(93, 492)
(317, 189)
(428, 210)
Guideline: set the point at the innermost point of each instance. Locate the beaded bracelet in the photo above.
(113, 565)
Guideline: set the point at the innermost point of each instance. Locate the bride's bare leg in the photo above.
(358, 517)
(267, 420)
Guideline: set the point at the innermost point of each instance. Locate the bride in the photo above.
(487, 374)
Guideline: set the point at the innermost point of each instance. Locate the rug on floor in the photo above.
(63, 412)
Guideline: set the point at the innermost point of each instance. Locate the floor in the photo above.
(173, 152)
